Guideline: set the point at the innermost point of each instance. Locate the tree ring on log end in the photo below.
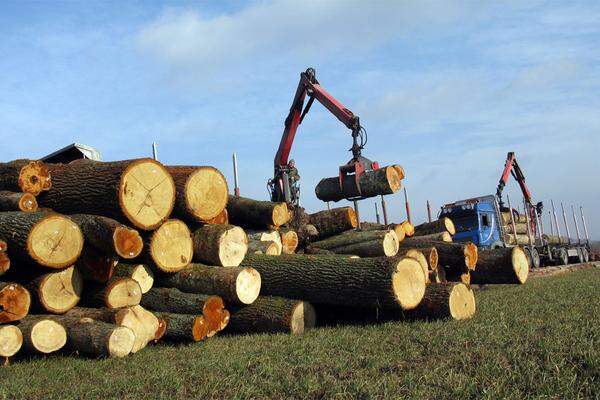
(34, 177)
(123, 292)
(28, 203)
(281, 214)
(11, 340)
(48, 336)
(449, 226)
(171, 246)
(520, 263)
(461, 302)
(393, 178)
(61, 291)
(199, 328)
(247, 285)
(146, 193)
(399, 171)
(420, 257)
(303, 317)
(408, 283)
(391, 244)
(128, 242)
(206, 193)
(471, 255)
(233, 247)
(120, 342)
(15, 301)
(433, 258)
(55, 241)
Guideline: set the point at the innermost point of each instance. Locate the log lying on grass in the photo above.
(438, 226)
(35, 238)
(139, 191)
(184, 327)
(42, 335)
(97, 338)
(384, 180)
(201, 192)
(334, 221)
(108, 235)
(223, 245)
(361, 243)
(445, 300)
(144, 324)
(11, 340)
(169, 248)
(504, 265)
(140, 273)
(330, 279)
(24, 176)
(14, 201)
(234, 284)
(269, 314)
(259, 247)
(15, 301)
(116, 293)
(251, 213)
(54, 292)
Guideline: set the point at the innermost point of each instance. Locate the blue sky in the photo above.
(445, 89)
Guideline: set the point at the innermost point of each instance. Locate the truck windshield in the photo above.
(464, 220)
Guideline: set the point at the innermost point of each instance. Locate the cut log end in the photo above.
(28, 203)
(199, 328)
(281, 214)
(144, 277)
(4, 262)
(11, 340)
(408, 283)
(233, 247)
(146, 194)
(433, 258)
(449, 226)
(123, 292)
(289, 241)
(120, 342)
(171, 246)
(61, 291)
(400, 233)
(393, 178)
(303, 318)
(520, 263)
(206, 193)
(461, 302)
(420, 257)
(15, 301)
(408, 228)
(128, 242)
(247, 285)
(399, 170)
(470, 251)
(48, 336)
(55, 241)
(34, 178)
(390, 244)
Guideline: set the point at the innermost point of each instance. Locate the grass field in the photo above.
(540, 340)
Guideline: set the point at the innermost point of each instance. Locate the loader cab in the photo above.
(475, 220)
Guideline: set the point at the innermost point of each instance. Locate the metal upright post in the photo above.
(358, 226)
(585, 230)
(384, 210)
(576, 225)
(236, 188)
(407, 207)
(154, 151)
(328, 207)
(377, 213)
(428, 211)
(528, 221)
(566, 224)
(539, 228)
(555, 221)
(512, 219)
(551, 224)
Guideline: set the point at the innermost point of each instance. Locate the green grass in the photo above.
(540, 340)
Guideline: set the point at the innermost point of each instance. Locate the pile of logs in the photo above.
(104, 258)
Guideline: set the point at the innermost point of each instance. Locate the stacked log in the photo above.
(334, 221)
(14, 201)
(438, 226)
(24, 176)
(503, 265)
(361, 243)
(223, 245)
(382, 181)
(249, 213)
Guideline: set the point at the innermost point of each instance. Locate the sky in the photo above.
(443, 88)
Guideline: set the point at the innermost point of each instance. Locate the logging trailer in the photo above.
(489, 224)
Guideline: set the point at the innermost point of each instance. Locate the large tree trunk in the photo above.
(445, 300)
(421, 259)
(269, 314)
(235, 285)
(184, 327)
(54, 292)
(139, 191)
(116, 293)
(397, 228)
(456, 256)
(259, 247)
(42, 335)
(437, 226)
(439, 237)
(505, 265)
(108, 235)
(430, 253)
(169, 248)
(140, 273)
(201, 192)
(24, 176)
(223, 245)
(95, 265)
(11, 340)
(144, 324)
(362, 243)
(384, 180)
(35, 238)
(251, 213)
(17, 201)
(334, 221)
(329, 279)
(15, 301)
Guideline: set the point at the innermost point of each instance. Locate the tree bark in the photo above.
(141, 192)
(437, 226)
(266, 236)
(457, 256)
(24, 176)
(169, 248)
(504, 265)
(361, 282)
(17, 201)
(397, 228)
(201, 192)
(334, 221)
(430, 253)
(184, 327)
(35, 238)
(445, 300)
(269, 314)
(250, 213)
(223, 245)
(54, 292)
(116, 293)
(15, 301)
(42, 335)
(362, 243)
(140, 273)
(11, 340)
(438, 237)
(259, 247)
(234, 284)
(384, 180)
(109, 235)
(95, 265)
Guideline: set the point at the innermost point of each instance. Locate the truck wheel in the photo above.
(562, 258)
(497, 245)
(534, 257)
(586, 255)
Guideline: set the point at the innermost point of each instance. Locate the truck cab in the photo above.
(476, 220)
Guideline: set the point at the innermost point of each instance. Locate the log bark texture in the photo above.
(445, 300)
(456, 256)
(24, 176)
(116, 293)
(384, 180)
(15, 301)
(184, 327)
(438, 226)
(140, 273)
(250, 213)
(259, 247)
(334, 221)
(504, 265)
(17, 201)
(223, 245)
(362, 243)
(95, 265)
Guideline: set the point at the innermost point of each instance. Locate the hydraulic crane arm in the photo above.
(512, 168)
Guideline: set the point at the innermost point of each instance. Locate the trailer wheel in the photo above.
(534, 257)
(586, 255)
(562, 257)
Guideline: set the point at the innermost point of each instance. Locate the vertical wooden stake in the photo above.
(407, 207)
